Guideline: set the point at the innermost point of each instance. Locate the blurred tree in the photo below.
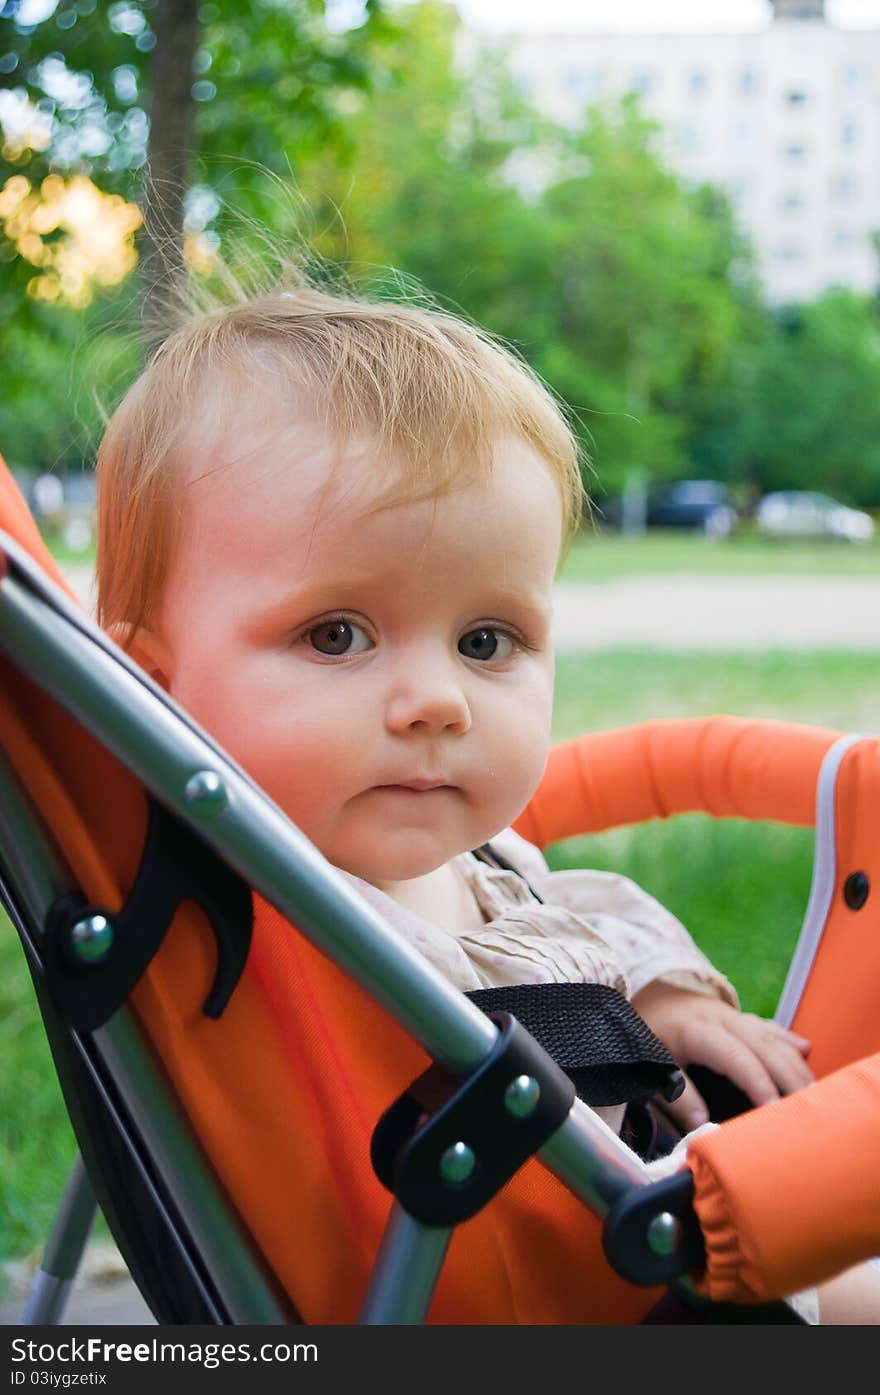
(812, 418)
(428, 185)
(643, 290)
(169, 150)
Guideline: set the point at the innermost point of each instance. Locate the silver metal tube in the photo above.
(53, 1281)
(591, 1160)
(245, 1288)
(406, 1271)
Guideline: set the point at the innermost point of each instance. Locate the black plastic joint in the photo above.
(651, 1234)
(448, 1144)
(175, 866)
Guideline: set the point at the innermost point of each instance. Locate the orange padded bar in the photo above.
(725, 766)
(818, 1151)
(16, 519)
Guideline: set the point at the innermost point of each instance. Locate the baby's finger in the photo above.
(689, 1110)
(786, 1065)
(801, 1044)
(735, 1058)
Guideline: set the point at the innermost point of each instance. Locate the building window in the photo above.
(582, 83)
(740, 189)
(845, 239)
(849, 134)
(853, 78)
(698, 82)
(642, 83)
(748, 83)
(791, 202)
(796, 97)
(789, 252)
(743, 135)
(688, 137)
(795, 151)
(845, 188)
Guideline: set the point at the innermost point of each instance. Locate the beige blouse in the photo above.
(593, 927)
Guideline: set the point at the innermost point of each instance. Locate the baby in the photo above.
(331, 529)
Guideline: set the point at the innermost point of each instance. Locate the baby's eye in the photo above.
(485, 643)
(338, 637)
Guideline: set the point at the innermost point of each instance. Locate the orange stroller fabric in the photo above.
(820, 1150)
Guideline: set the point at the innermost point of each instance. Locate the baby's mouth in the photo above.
(420, 785)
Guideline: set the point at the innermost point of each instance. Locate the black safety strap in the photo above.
(492, 858)
(603, 1045)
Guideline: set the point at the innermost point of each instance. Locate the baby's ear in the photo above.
(148, 651)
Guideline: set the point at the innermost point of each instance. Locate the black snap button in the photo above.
(855, 890)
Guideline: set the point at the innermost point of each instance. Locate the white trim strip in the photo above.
(824, 877)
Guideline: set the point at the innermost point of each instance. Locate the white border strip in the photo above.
(824, 876)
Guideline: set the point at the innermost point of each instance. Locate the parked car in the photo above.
(802, 513)
(701, 504)
(704, 506)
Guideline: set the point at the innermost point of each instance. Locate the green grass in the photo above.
(82, 557)
(613, 688)
(740, 888)
(610, 556)
(36, 1141)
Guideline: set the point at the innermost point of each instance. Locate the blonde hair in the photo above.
(427, 385)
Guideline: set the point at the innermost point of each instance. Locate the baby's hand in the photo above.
(764, 1059)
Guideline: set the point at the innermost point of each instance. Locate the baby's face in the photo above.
(387, 678)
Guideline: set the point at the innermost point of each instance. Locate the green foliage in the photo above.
(815, 422)
(269, 74)
(641, 295)
(62, 371)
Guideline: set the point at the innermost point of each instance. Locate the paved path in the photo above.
(719, 612)
(700, 612)
(103, 1293)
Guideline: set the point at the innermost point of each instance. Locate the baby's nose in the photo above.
(434, 701)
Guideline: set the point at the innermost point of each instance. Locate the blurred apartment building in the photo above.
(786, 119)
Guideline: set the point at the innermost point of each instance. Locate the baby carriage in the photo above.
(229, 1022)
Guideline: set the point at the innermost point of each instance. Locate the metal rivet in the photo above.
(855, 890)
(457, 1164)
(521, 1096)
(91, 939)
(664, 1234)
(206, 792)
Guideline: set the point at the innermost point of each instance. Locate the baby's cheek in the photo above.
(520, 766)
